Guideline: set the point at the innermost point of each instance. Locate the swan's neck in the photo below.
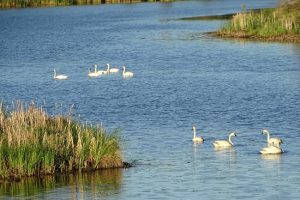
(95, 68)
(229, 139)
(108, 67)
(54, 76)
(268, 137)
(194, 132)
(123, 70)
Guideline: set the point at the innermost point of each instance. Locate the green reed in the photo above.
(283, 20)
(35, 143)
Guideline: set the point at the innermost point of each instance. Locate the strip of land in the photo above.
(215, 17)
(50, 3)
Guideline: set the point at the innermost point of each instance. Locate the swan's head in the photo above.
(232, 134)
(265, 131)
(194, 128)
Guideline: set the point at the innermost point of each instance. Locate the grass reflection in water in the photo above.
(98, 184)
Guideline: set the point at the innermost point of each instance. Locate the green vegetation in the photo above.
(34, 143)
(39, 3)
(281, 23)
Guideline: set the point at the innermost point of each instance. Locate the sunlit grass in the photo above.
(281, 21)
(35, 143)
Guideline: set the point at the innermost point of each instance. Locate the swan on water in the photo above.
(126, 74)
(271, 150)
(111, 70)
(272, 141)
(59, 76)
(224, 143)
(195, 138)
(100, 72)
(93, 74)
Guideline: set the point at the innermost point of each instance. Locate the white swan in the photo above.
(100, 72)
(126, 74)
(224, 143)
(93, 74)
(272, 141)
(271, 150)
(195, 138)
(60, 76)
(111, 70)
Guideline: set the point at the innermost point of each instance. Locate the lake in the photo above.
(181, 78)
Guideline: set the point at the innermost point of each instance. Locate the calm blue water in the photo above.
(182, 78)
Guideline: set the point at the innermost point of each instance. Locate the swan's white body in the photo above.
(93, 74)
(60, 76)
(272, 141)
(126, 74)
(100, 72)
(224, 143)
(195, 138)
(112, 70)
(271, 150)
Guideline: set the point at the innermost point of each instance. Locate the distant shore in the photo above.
(53, 3)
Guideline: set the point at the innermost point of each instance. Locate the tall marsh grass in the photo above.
(283, 20)
(35, 143)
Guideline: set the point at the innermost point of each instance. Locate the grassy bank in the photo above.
(42, 3)
(35, 143)
(280, 24)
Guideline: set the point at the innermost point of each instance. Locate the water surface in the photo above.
(182, 78)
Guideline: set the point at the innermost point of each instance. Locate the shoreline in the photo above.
(11, 179)
(15, 4)
(242, 35)
(218, 17)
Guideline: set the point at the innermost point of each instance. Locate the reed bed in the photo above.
(283, 21)
(35, 143)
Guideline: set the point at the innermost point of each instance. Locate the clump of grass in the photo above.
(35, 143)
(279, 22)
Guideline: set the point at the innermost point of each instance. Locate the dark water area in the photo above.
(181, 78)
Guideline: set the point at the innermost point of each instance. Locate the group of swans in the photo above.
(273, 144)
(109, 70)
(96, 73)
